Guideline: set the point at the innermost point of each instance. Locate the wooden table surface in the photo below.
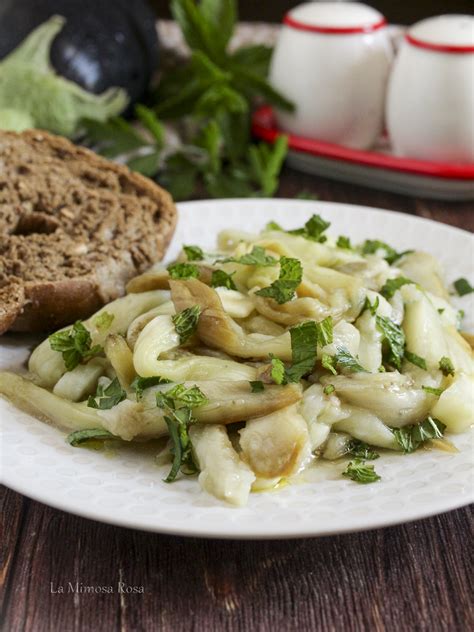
(412, 577)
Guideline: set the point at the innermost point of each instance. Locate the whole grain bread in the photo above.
(74, 228)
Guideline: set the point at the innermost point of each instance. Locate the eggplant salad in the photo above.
(262, 359)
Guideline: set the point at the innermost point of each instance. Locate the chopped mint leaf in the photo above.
(177, 404)
(183, 271)
(74, 344)
(371, 307)
(257, 386)
(343, 242)
(91, 434)
(313, 229)
(360, 472)
(328, 362)
(462, 287)
(324, 331)
(257, 257)
(372, 246)
(103, 321)
(432, 390)
(182, 396)
(361, 450)
(283, 289)
(278, 371)
(108, 396)
(139, 384)
(328, 389)
(273, 226)
(220, 278)
(395, 339)
(186, 322)
(415, 359)
(392, 285)
(193, 253)
(345, 360)
(446, 366)
(411, 437)
(304, 341)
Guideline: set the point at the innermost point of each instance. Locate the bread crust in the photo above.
(141, 212)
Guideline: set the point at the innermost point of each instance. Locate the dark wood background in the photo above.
(396, 11)
(409, 578)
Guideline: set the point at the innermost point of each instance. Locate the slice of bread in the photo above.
(74, 228)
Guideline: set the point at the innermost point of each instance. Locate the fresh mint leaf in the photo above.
(256, 57)
(373, 246)
(257, 257)
(328, 362)
(304, 341)
(91, 434)
(219, 278)
(265, 164)
(433, 391)
(394, 338)
(193, 253)
(328, 389)
(273, 226)
(139, 384)
(446, 366)
(415, 359)
(313, 229)
(150, 121)
(177, 404)
(183, 271)
(392, 285)
(179, 395)
(345, 360)
(74, 344)
(283, 289)
(325, 332)
(257, 386)
(186, 322)
(409, 438)
(361, 450)
(343, 242)
(463, 287)
(360, 472)
(146, 164)
(108, 396)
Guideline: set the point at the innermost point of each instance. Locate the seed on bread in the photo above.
(74, 228)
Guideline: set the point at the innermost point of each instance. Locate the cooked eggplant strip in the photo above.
(223, 473)
(218, 330)
(390, 396)
(277, 444)
(120, 357)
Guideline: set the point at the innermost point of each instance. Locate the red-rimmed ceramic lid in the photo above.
(444, 33)
(334, 18)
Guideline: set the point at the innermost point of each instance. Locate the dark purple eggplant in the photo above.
(104, 43)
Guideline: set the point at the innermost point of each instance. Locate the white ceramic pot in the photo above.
(332, 60)
(430, 102)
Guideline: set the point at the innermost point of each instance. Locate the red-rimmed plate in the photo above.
(378, 168)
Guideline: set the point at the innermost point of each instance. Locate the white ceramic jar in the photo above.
(332, 60)
(430, 103)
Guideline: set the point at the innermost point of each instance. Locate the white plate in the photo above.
(127, 490)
